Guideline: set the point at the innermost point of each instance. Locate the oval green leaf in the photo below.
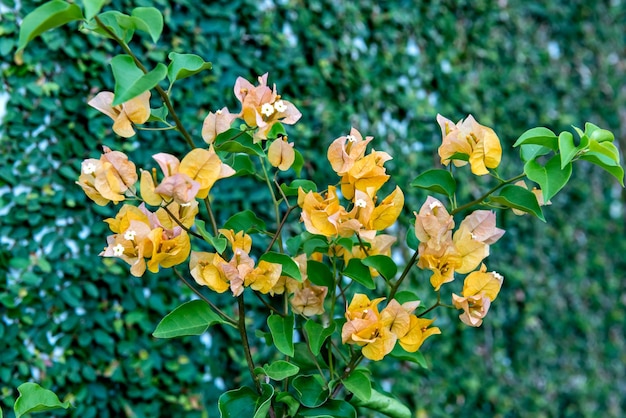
(383, 264)
(185, 65)
(360, 273)
(319, 274)
(148, 20)
(130, 81)
(387, 405)
(48, 16)
(538, 136)
(34, 398)
(310, 391)
(190, 318)
(331, 409)
(359, 383)
(551, 177)
(281, 328)
(436, 180)
(245, 221)
(567, 148)
(517, 197)
(317, 334)
(280, 370)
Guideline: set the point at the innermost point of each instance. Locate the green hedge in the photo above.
(554, 342)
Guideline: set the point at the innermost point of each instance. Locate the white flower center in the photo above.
(118, 250)
(218, 112)
(351, 138)
(498, 276)
(280, 106)
(89, 168)
(267, 109)
(435, 205)
(473, 235)
(130, 235)
(184, 205)
(360, 203)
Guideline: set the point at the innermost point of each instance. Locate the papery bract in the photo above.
(206, 269)
(135, 111)
(216, 123)
(281, 154)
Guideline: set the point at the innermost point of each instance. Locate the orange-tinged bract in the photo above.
(109, 178)
(206, 269)
(135, 111)
(479, 290)
(281, 154)
(216, 123)
(262, 107)
(479, 143)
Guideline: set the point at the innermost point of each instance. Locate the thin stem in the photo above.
(162, 93)
(277, 236)
(267, 305)
(437, 304)
(280, 227)
(189, 231)
(405, 272)
(207, 205)
(241, 326)
(201, 296)
(167, 128)
(486, 195)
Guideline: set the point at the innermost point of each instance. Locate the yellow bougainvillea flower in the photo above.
(476, 232)
(139, 234)
(135, 111)
(442, 263)
(238, 240)
(281, 154)
(308, 299)
(109, 178)
(206, 269)
(419, 330)
(346, 150)
(237, 269)
(478, 142)
(433, 224)
(538, 194)
(262, 107)
(396, 317)
(324, 215)
(263, 277)
(184, 214)
(479, 290)
(216, 123)
(367, 174)
(185, 180)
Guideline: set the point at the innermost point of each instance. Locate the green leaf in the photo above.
(411, 239)
(319, 274)
(331, 409)
(280, 370)
(607, 149)
(185, 65)
(281, 328)
(48, 16)
(148, 20)
(290, 267)
(315, 243)
(245, 221)
(605, 162)
(384, 404)
(265, 401)
(416, 357)
(406, 296)
(310, 390)
(530, 152)
(292, 403)
(235, 140)
(551, 177)
(242, 164)
(190, 318)
(298, 162)
(92, 7)
(119, 23)
(317, 334)
(436, 180)
(383, 264)
(459, 156)
(358, 272)
(517, 197)
(292, 189)
(238, 403)
(130, 81)
(158, 115)
(597, 134)
(538, 136)
(276, 130)
(34, 398)
(567, 148)
(359, 383)
(218, 243)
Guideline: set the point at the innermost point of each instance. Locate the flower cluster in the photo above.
(108, 179)
(377, 332)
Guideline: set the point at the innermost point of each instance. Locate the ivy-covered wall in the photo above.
(554, 343)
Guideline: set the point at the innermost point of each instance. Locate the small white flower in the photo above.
(267, 109)
(118, 250)
(497, 276)
(280, 106)
(184, 205)
(130, 235)
(434, 205)
(360, 203)
(89, 168)
(218, 112)
(473, 235)
(351, 138)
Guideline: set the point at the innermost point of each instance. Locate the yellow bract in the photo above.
(479, 143)
(136, 110)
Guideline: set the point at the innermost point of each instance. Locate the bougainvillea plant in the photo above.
(334, 293)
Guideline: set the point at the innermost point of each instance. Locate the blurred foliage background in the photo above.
(553, 344)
